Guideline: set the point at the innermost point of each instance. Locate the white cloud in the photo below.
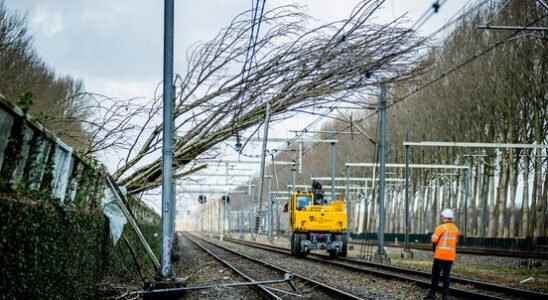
(48, 23)
(116, 46)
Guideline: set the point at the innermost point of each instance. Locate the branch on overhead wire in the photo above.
(359, 127)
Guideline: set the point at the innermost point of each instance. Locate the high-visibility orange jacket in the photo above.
(445, 237)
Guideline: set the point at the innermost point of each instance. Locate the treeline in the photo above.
(501, 96)
(467, 94)
(26, 80)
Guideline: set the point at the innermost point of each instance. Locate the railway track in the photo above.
(253, 269)
(472, 250)
(462, 288)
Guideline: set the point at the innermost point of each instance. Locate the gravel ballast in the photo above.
(199, 268)
(357, 283)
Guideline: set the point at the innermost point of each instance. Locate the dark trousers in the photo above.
(443, 267)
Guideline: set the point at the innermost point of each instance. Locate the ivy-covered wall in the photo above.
(55, 242)
(50, 252)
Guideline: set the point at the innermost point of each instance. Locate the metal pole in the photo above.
(270, 214)
(117, 195)
(210, 218)
(277, 218)
(167, 143)
(241, 222)
(263, 157)
(173, 191)
(382, 115)
(347, 201)
(407, 149)
(228, 216)
(249, 191)
(333, 168)
(300, 158)
(250, 218)
(219, 208)
(293, 179)
(224, 205)
(466, 195)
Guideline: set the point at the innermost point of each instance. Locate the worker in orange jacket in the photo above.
(444, 239)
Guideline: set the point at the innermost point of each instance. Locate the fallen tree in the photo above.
(294, 69)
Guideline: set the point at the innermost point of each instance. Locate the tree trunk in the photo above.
(484, 224)
(545, 197)
(366, 216)
(525, 197)
(435, 208)
(474, 202)
(501, 202)
(533, 208)
(357, 214)
(491, 204)
(423, 210)
(397, 214)
(389, 223)
(513, 193)
(426, 212)
(372, 212)
(537, 194)
(412, 210)
(457, 199)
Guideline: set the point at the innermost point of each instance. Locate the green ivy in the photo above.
(49, 251)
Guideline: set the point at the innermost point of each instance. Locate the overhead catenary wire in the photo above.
(460, 15)
(250, 57)
(432, 9)
(420, 22)
(463, 63)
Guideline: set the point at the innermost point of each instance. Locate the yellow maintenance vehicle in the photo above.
(317, 223)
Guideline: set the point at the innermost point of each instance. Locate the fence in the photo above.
(34, 160)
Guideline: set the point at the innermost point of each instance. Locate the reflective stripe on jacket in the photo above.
(445, 237)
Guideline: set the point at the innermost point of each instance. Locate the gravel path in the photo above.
(199, 269)
(357, 283)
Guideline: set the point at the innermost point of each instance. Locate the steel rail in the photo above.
(261, 288)
(473, 250)
(338, 293)
(394, 272)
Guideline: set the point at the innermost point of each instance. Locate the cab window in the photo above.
(303, 202)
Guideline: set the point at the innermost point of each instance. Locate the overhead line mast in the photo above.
(168, 201)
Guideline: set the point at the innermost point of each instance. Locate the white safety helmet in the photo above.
(447, 213)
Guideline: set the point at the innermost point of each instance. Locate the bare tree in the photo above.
(27, 81)
(295, 69)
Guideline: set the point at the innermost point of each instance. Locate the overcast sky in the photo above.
(115, 46)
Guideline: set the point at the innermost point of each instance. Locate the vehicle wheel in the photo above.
(297, 244)
(293, 244)
(344, 250)
(344, 239)
(301, 252)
